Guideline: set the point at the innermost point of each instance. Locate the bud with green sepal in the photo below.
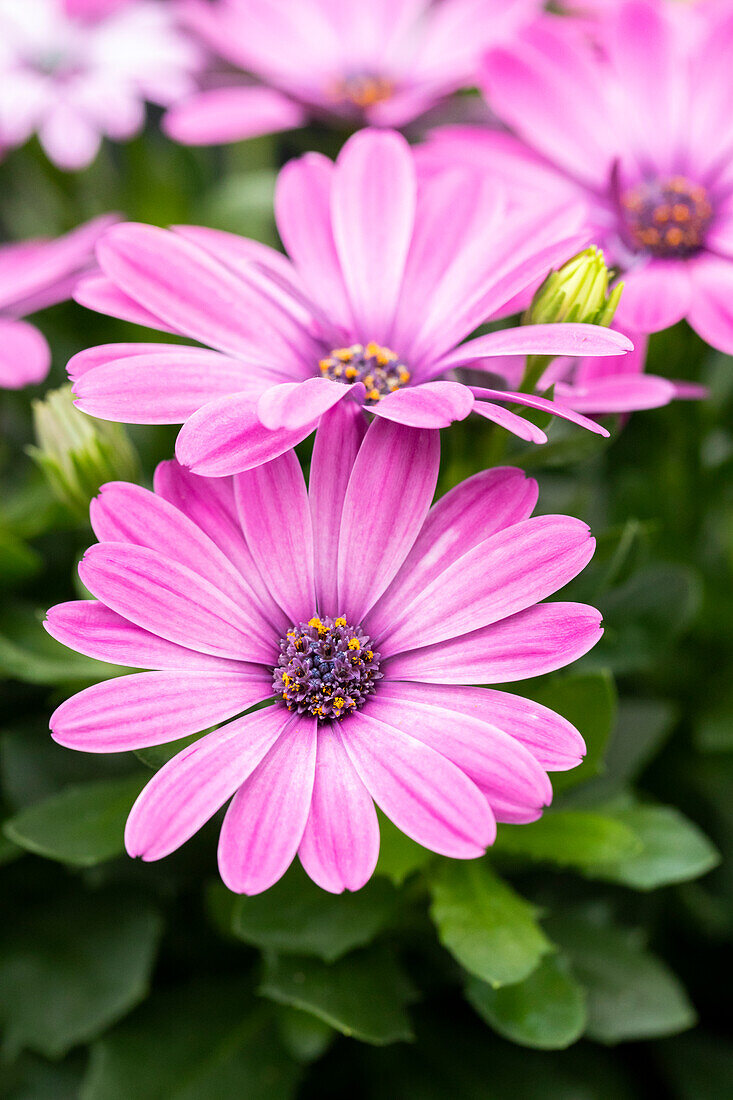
(79, 453)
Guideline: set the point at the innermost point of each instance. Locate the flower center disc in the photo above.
(379, 368)
(326, 668)
(667, 218)
(363, 90)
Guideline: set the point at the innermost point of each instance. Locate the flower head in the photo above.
(73, 71)
(634, 121)
(364, 625)
(353, 63)
(35, 274)
(385, 280)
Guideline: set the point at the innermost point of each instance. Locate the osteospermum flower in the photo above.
(74, 71)
(35, 274)
(641, 131)
(381, 63)
(384, 282)
(365, 625)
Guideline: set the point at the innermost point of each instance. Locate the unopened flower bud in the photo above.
(577, 293)
(78, 453)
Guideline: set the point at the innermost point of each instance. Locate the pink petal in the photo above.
(423, 793)
(221, 115)
(292, 405)
(620, 394)
(68, 139)
(655, 296)
(474, 510)
(497, 578)
(160, 388)
(560, 339)
(532, 402)
(426, 405)
(25, 357)
(501, 766)
(172, 601)
(505, 418)
(130, 513)
(227, 436)
(338, 438)
(552, 740)
(373, 210)
(190, 788)
(265, 822)
(91, 358)
(711, 310)
(388, 496)
(152, 708)
(99, 293)
(96, 631)
(531, 643)
(340, 845)
(274, 511)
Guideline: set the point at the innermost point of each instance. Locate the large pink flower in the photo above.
(380, 62)
(641, 131)
(77, 70)
(385, 279)
(365, 615)
(35, 274)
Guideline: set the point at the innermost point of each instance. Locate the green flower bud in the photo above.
(578, 292)
(78, 453)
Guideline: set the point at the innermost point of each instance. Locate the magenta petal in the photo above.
(389, 492)
(227, 436)
(25, 356)
(129, 513)
(711, 312)
(274, 511)
(531, 643)
(99, 293)
(340, 845)
(505, 418)
(191, 787)
(496, 762)
(264, 824)
(221, 115)
(152, 708)
(423, 793)
(338, 438)
(96, 631)
(474, 510)
(564, 339)
(655, 296)
(293, 405)
(426, 405)
(90, 358)
(161, 388)
(621, 393)
(500, 576)
(531, 402)
(373, 210)
(170, 600)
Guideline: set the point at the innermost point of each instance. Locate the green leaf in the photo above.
(203, 1041)
(671, 849)
(304, 1035)
(490, 930)
(82, 825)
(545, 1011)
(631, 993)
(297, 917)
(17, 560)
(399, 857)
(587, 700)
(571, 838)
(72, 967)
(364, 994)
(29, 654)
(8, 851)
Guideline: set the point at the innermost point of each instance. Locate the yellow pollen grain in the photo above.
(674, 236)
(373, 395)
(344, 354)
(404, 376)
(339, 622)
(339, 702)
(354, 643)
(351, 372)
(680, 212)
(324, 364)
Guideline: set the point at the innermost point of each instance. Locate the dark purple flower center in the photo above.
(380, 370)
(362, 90)
(667, 218)
(326, 668)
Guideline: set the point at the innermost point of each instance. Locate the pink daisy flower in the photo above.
(365, 625)
(385, 280)
(347, 62)
(74, 71)
(641, 132)
(33, 275)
